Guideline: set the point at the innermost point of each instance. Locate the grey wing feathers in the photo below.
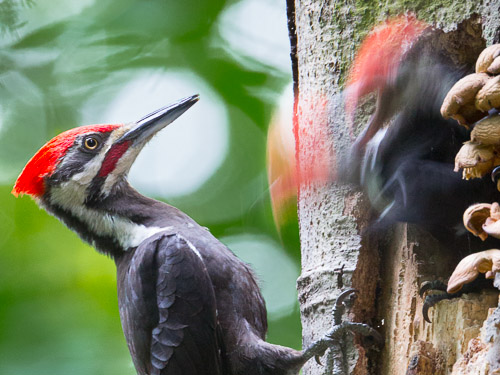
(184, 338)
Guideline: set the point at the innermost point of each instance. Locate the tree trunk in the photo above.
(386, 270)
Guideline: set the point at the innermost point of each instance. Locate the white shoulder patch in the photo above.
(138, 233)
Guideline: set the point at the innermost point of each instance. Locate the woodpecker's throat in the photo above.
(105, 228)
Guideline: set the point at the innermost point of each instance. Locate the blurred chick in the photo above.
(406, 169)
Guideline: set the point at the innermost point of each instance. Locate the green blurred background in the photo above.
(70, 63)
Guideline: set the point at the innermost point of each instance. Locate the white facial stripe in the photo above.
(86, 176)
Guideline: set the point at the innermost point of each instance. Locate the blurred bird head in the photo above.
(379, 56)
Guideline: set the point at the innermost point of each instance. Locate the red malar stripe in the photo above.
(114, 154)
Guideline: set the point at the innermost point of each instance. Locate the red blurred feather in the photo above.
(379, 56)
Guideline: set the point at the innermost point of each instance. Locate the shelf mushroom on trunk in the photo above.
(475, 101)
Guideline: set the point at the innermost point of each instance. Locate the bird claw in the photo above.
(345, 299)
(317, 358)
(432, 285)
(334, 338)
(432, 299)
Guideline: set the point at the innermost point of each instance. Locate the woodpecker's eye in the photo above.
(91, 143)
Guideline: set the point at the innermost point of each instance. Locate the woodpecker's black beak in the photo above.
(149, 125)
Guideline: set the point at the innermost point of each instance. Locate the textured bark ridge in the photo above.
(388, 268)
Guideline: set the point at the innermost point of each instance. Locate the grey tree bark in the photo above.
(335, 254)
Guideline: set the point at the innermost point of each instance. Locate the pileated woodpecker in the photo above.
(407, 168)
(187, 304)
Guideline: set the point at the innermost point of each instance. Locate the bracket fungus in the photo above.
(489, 95)
(459, 103)
(492, 224)
(483, 219)
(478, 157)
(474, 218)
(487, 262)
(489, 61)
(476, 160)
(487, 131)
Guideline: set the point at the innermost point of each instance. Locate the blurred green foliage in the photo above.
(58, 305)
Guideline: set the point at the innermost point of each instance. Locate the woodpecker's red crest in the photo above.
(45, 161)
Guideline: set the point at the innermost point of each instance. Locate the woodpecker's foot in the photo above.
(335, 337)
(432, 299)
(437, 285)
(430, 286)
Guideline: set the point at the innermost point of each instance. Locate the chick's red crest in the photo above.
(45, 161)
